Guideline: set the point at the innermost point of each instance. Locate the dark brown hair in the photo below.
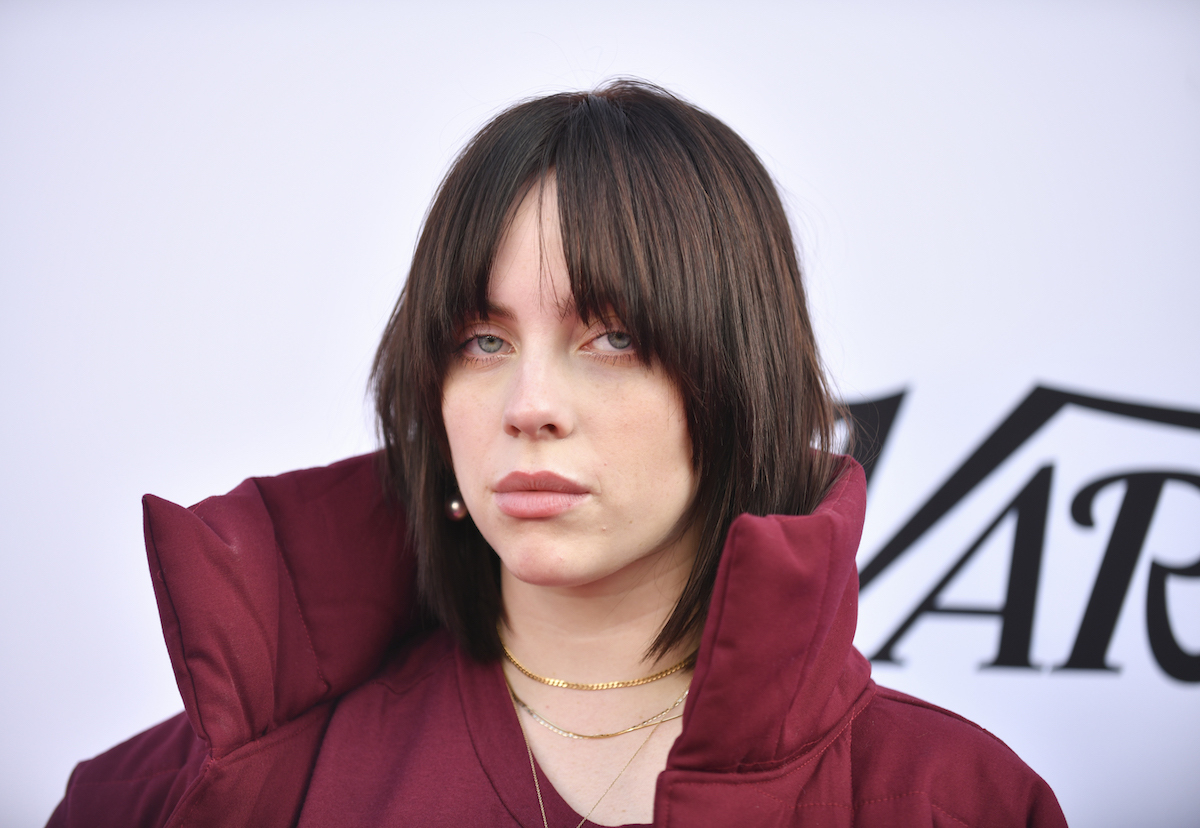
(669, 222)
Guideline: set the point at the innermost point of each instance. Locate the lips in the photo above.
(537, 495)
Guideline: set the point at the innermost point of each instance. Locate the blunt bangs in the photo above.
(670, 223)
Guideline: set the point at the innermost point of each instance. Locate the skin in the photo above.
(589, 579)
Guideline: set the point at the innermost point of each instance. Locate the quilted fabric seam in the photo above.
(828, 543)
(741, 781)
(925, 794)
(226, 761)
(947, 813)
(178, 626)
(894, 696)
(292, 587)
(758, 766)
(258, 746)
(822, 751)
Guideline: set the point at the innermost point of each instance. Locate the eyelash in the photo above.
(618, 356)
(462, 353)
(611, 358)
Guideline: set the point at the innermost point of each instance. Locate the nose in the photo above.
(538, 404)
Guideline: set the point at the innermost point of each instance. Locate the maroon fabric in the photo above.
(282, 596)
(138, 782)
(275, 599)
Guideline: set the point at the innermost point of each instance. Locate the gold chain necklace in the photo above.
(537, 786)
(656, 719)
(603, 685)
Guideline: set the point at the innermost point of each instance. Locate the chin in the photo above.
(544, 573)
(546, 568)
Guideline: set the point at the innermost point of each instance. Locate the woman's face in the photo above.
(572, 455)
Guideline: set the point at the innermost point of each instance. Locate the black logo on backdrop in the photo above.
(873, 422)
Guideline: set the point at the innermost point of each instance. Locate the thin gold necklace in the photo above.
(603, 685)
(537, 786)
(656, 719)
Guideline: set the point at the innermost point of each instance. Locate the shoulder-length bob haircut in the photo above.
(669, 223)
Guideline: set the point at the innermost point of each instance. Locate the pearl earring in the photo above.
(456, 509)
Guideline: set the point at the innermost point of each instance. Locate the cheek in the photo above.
(677, 455)
(461, 418)
(653, 443)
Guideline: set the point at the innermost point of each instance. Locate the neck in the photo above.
(599, 631)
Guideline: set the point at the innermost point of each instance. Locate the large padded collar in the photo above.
(278, 596)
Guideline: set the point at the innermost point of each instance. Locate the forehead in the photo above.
(530, 269)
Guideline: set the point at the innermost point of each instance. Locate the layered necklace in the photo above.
(602, 685)
(656, 719)
(651, 723)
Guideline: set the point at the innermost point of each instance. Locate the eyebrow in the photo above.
(492, 309)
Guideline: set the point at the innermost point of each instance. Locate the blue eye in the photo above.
(613, 343)
(619, 340)
(490, 344)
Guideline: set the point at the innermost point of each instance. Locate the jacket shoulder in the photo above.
(275, 599)
(135, 784)
(907, 753)
(287, 591)
(167, 776)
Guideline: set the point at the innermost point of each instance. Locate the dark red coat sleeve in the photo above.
(136, 784)
(914, 761)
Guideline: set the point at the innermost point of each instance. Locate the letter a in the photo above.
(1016, 633)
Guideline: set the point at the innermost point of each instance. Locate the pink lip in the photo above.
(537, 495)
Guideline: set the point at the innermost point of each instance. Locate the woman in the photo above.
(601, 359)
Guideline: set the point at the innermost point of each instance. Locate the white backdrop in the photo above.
(206, 212)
